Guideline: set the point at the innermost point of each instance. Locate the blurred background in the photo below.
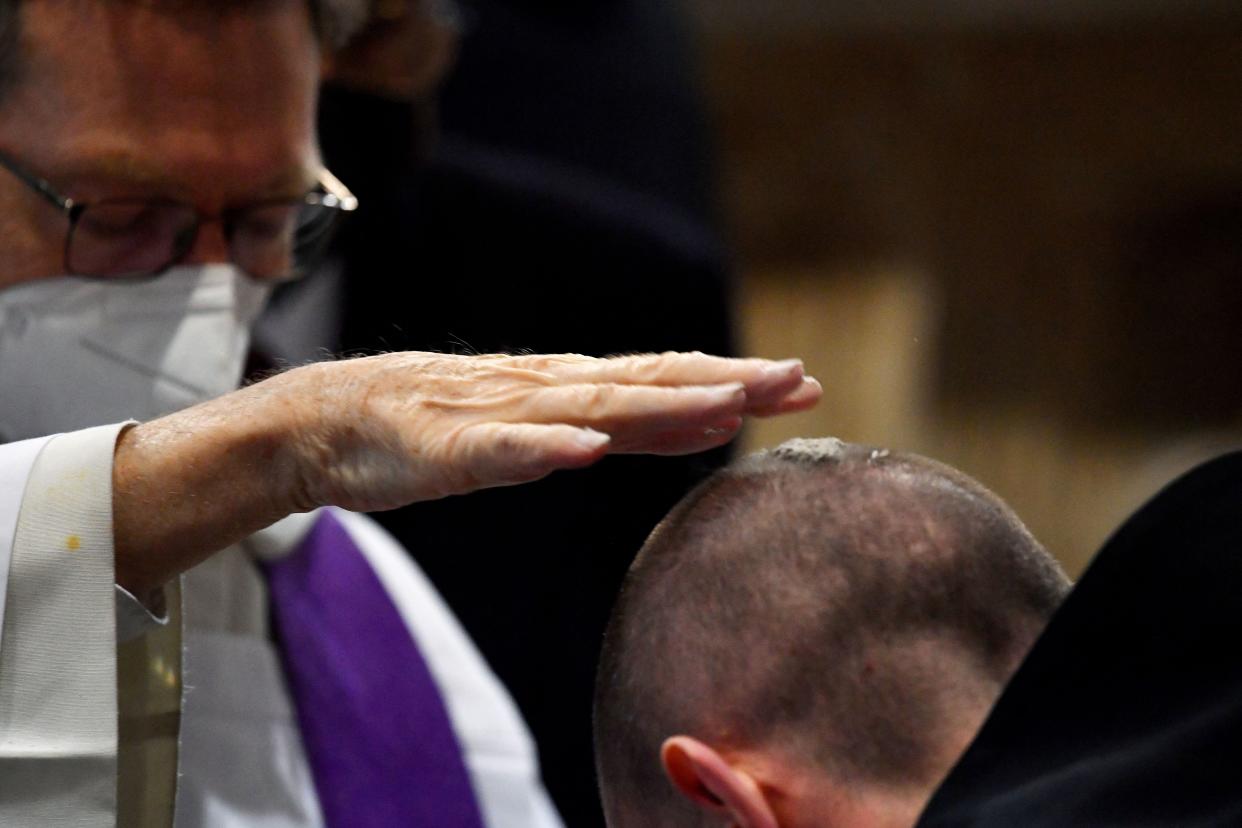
(1006, 234)
(1003, 233)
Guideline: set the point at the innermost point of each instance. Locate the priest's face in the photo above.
(120, 99)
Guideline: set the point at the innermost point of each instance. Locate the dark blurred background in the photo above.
(1004, 233)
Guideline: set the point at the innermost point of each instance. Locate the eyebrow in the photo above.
(135, 169)
(119, 165)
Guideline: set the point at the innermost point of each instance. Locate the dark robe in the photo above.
(1128, 711)
(565, 206)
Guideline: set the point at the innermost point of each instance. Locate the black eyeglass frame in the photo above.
(335, 195)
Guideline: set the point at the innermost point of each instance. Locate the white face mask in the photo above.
(76, 353)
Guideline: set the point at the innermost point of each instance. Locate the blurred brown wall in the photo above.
(1018, 249)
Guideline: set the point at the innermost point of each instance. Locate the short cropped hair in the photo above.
(807, 597)
(335, 21)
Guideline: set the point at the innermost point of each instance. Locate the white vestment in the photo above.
(242, 764)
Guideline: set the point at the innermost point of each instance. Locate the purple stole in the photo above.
(379, 740)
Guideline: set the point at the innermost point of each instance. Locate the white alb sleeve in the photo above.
(58, 705)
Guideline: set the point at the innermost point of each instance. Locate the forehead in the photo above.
(222, 92)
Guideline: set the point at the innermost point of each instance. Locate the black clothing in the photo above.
(563, 209)
(1128, 711)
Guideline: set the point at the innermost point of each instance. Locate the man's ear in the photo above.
(708, 780)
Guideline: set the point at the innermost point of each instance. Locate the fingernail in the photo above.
(592, 440)
(809, 388)
(783, 368)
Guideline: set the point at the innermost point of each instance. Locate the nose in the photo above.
(210, 245)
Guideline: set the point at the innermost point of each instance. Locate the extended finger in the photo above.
(805, 396)
(684, 441)
(633, 411)
(505, 454)
(759, 376)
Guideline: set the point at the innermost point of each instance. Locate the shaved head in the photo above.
(852, 607)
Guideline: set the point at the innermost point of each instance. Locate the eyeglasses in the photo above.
(125, 238)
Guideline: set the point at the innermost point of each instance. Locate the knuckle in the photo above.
(506, 444)
(546, 362)
(670, 366)
(456, 458)
(652, 368)
(595, 397)
(450, 446)
(643, 368)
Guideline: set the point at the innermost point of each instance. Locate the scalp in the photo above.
(836, 598)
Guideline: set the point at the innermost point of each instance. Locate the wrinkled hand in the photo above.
(383, 431)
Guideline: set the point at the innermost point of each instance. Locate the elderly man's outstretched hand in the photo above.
(388, 430)
(383, 431)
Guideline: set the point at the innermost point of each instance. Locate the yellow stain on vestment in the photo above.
(73, 543)
(163, 672)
